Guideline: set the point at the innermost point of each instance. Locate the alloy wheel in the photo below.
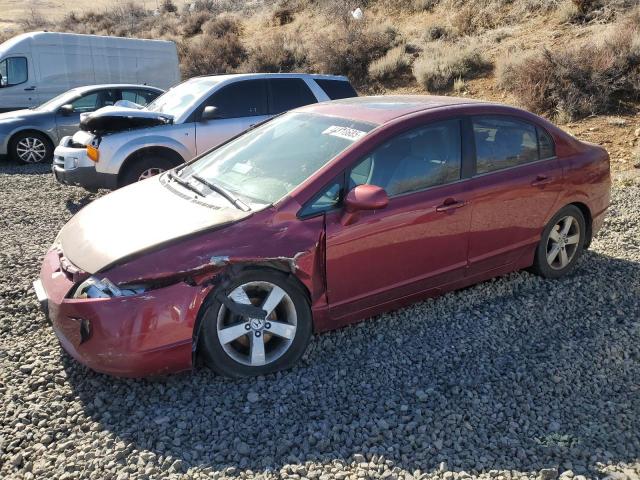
(563, 242)
(258, 341)
(31, 150)
(150, 172)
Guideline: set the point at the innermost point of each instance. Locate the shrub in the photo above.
(577, 81)
(348, 50)
(207, 55)
(283, 16)
(168, 6)
(222, 25)
(440, 65)
(193, 23)
(392, 65)
(276, 53)
(437, 32)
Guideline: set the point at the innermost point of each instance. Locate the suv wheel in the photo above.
(145, 167)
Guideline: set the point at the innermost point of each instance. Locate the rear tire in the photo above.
(145, 167)
(561, 244)
(31, 148)
(239, 346)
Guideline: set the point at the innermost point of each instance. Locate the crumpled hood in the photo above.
(134, 219)
(118, 118)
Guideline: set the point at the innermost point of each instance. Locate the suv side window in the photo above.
(13, 71)
(287, 94)
(503, 142)
(337, 89)
(424, 157)
(246, 98)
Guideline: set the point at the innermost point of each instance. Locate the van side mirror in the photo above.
(361, 198)
(66, 109)
(210, 113)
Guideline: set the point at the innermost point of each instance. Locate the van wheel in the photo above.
(145, 167)
(31, 147)
(236, 343)
(561, 244)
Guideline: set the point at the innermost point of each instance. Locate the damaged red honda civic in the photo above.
(318, 218)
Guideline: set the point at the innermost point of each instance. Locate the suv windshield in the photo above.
(267, 163)
(178, 99)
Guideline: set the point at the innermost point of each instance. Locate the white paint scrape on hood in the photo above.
(134, 219)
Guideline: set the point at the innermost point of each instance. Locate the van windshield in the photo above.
(267, 163)
(177, 100)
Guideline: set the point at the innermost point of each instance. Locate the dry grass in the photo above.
(276, 53)
(392, 65)
(440, 65)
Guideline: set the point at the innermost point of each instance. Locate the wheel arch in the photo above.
(13, 136)
(164, 152)
(225, 277)
(588, 220)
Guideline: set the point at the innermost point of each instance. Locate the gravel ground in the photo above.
(517, 377)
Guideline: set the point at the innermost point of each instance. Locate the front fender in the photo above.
(113, 154)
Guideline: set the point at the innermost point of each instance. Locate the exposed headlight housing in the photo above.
(93, 287)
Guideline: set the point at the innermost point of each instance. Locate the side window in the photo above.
(141, 97)
(422, 158)
(327, 199)
(337, 89)
(503, 142)
(287, 94)
(86, 103)
(545, 144)
(246, 98)
(13, 71)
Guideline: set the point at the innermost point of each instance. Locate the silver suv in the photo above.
(118, 146)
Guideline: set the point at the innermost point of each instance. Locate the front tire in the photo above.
(562, 244)
(237, 345)
(145, 167)
(31, 148)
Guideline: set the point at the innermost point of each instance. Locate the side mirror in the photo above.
(363, 197)
(210, 113)
(66, 109)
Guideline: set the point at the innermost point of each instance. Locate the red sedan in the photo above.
(316, 219)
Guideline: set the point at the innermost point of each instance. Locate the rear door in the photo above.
(288, 93)
(517, 181)
(239, 105)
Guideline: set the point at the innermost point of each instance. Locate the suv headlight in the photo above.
(93, 287)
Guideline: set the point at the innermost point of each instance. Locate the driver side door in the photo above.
(417, 243)
(239, 106)
(68, 123)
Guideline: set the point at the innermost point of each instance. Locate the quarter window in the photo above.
(141, 97)
(287, 94)
(246, 98)
(422, 158)
(503, 143)
(337, 89)
(545, 144)
(13, 71)
(326, 200)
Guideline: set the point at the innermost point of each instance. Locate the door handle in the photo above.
(541, 180)
(450, 204)
(29, 89)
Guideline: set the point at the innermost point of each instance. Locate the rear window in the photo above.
(287, 94)
(337, 89)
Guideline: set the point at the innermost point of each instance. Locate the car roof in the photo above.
(114, 85)
(380, 109)
(248, 76)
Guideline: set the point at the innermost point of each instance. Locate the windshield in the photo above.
(178, 99)
(62, 99)
(267, 163)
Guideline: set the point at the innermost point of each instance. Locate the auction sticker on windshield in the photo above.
(345, 132)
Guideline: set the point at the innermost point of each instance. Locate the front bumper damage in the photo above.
(134, 336)
(71, 166)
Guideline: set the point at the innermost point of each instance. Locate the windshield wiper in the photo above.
(224, 192)
(184, 183)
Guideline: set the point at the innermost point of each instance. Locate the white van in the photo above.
(35, 67)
